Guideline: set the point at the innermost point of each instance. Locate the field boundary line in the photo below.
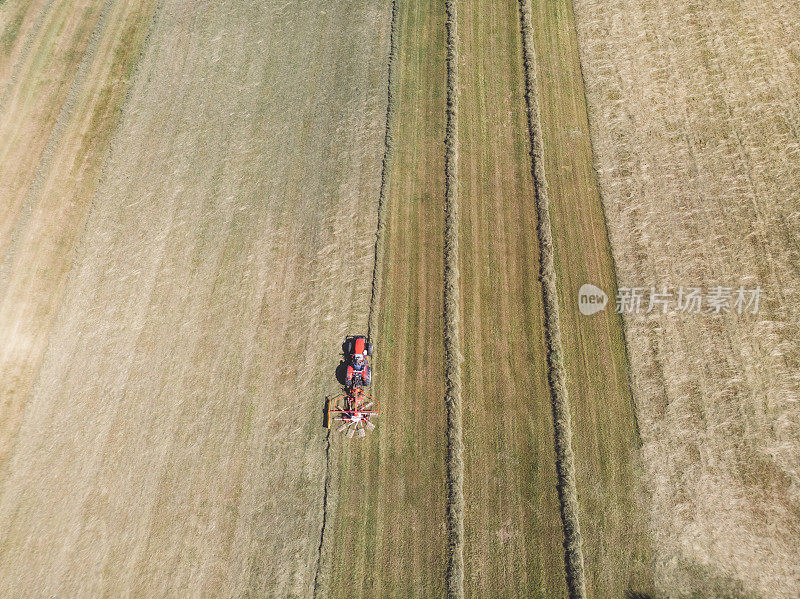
(377, 269)
(452, 353)
(565, 459)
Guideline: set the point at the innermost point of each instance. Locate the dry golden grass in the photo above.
(169, 443)
(695, 123)
(55, 139)
(179, 262)
(17, 20)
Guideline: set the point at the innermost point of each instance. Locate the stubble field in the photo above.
(695, 126)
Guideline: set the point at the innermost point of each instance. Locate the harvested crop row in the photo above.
(612, 500)
(327, 506)
(386, 169)
(452, 319)
(389, 532)
(565, 460)
(513, 534)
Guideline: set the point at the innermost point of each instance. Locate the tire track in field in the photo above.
(565, 460)
(455, 438)
(377, 268)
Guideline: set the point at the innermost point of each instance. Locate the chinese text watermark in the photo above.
(683, 299)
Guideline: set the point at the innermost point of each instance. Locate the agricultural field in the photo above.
(512, 538)
(695, 120)
(390, 516)
(200, 200)
(180, 268)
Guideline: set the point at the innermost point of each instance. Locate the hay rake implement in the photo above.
(352, 412)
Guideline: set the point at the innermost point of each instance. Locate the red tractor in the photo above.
(353, 409)
(356, 351)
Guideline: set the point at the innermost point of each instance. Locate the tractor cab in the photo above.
(357, 349)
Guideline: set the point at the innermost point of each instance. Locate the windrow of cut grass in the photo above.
(389, 533)
(612, 499)
(452, 320)
(386, 169)
(565, 459)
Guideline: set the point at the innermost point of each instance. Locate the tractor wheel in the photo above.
(367, 376)
(369, 348)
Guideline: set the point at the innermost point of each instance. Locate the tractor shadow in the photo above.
(341, 372)
(341, 369)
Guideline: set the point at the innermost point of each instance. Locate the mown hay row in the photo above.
(388, 154)
(326, 489)
(565, 462)
(455, 441)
